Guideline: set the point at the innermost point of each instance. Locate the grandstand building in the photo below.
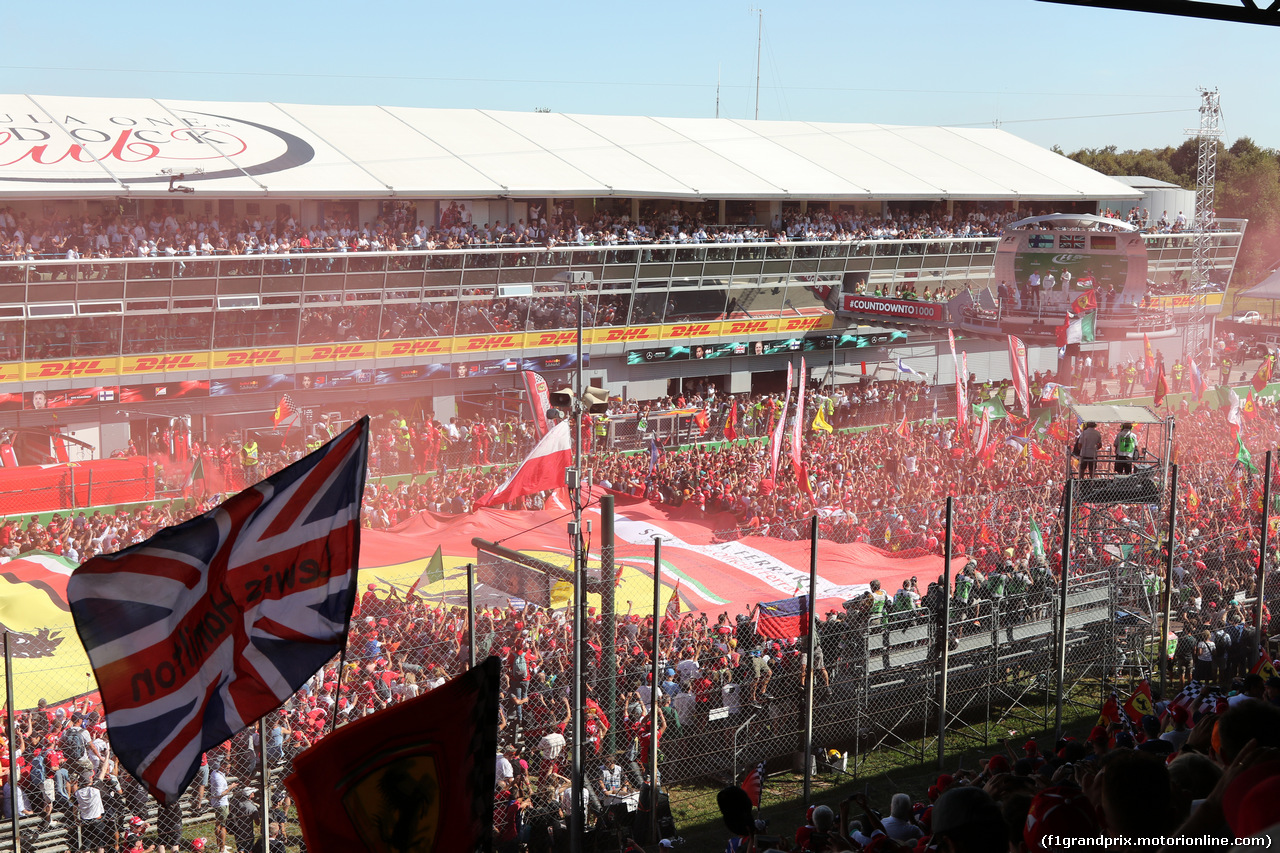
(168, 259)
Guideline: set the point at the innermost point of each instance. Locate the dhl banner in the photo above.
(625, 334)
(312, 353)
(414, 348)
(252, 357)
(1186, 300)
(72, 368)
(560, 339)
(173, 362)
(498, 342)
(132, 365)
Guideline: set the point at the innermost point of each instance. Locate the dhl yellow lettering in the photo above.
(697, 330)
(71, 368)
(748, 328)
(553, 339)
(416, 347)
(253, 356)
(801, 323)
(152, 363)
(641, 334)
(492, 342)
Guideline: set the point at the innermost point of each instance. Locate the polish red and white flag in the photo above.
(541, 470)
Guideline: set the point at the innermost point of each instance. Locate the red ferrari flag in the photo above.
(731, 423)
(1262, 376)
(209, 625)
(1085, 302)
(539, 401)
(541, 470)
(286, 414)
(753, 783)
(1265, 667)
(417, 776)
(1148, 359)
(673, 603)
(1139, 704)
(1162, 388)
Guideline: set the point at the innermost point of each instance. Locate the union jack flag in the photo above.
(208, 626)
(1071, 241)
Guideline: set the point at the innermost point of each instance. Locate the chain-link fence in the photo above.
(907, 670)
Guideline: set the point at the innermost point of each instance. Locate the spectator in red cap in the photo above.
(1062, 811)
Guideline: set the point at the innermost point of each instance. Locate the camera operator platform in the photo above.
(1120, 454)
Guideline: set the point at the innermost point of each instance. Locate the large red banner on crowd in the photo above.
(717, 569)
(98, 482)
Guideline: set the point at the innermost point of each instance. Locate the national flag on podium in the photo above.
(210, 625)
(416, 776)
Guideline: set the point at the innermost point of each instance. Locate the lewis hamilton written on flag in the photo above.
(210, 625)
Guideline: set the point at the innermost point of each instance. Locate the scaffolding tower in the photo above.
(1207, 135)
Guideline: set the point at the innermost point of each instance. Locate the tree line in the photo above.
(1248, 187)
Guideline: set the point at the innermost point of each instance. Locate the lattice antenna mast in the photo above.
(1208, 134)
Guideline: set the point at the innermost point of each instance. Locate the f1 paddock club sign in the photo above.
(902, 309)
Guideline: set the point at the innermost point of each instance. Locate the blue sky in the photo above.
(1050, 73)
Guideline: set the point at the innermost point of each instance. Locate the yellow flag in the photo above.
(820, 421)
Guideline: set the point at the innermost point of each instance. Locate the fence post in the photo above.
(812, 651)
(1166, 598)
(1062, 604)
(1261, 581)
(471, 615)
(13, 744)
(266, 783)
(609, 659)
(71, 477)
(945, 642)
(654, 688)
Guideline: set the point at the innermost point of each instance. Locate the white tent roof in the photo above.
(83, 147)
(1268, 288)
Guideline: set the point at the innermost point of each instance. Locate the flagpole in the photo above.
(1261, 579)
(1166, 598)
(653, 691)
(808, 685)
(576, 818)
